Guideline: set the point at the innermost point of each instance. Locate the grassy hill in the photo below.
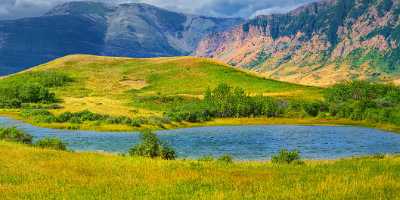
(148, 87)
(119, 94)
(120, 85)
(30, 173)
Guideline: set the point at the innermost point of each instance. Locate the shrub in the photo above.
(15, 135)
(190, 116)
(150, 146)
(49, 78)
(14, 95)
(10, 102)
(51, 143)
(360, 100)
(286, 157)
(34, 112)
(39, 115)
(136, 123)
(378, 156)
(206, 159)
(42, 115)
(312, 109)
(64, 117)
(225, 101)
(226, 159)
(167, 152)
(30, 87)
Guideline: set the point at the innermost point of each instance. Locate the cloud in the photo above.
(273, 10)
(10, 9)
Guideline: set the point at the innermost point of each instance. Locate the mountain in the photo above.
(133, 30)
(318, 44)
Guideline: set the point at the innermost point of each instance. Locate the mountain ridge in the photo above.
(321, 43)
(127, 30)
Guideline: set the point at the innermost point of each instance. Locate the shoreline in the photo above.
(91, 126)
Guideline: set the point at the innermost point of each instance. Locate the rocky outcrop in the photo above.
(318, 44)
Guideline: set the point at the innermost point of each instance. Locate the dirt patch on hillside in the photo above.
(134, 84)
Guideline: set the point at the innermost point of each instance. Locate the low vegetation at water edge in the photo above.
(287, 157)
(358, 100)
(15, 135)
(151, 146)
(51, 143)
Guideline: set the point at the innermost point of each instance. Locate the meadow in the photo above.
(33, 173)
(118, 94)
(124, 86)
(124, 94)
(134, 88)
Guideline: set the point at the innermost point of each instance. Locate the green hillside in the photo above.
(144, 87)
(119, 94)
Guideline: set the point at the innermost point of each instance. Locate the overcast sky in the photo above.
(10, 9)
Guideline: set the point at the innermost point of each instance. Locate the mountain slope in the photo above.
(134, 30)
(318, 44)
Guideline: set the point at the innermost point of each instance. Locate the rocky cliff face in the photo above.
(318, 44)
(134, 30)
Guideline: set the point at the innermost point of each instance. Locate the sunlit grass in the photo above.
(118, 85)
(29, 173)
(127, 87)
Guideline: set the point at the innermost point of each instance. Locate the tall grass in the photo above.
(31, 173)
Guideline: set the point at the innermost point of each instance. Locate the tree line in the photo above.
(356, 100)
(32, 87)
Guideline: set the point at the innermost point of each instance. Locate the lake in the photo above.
(242, 142)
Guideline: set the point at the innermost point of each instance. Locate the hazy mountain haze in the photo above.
(12, 9)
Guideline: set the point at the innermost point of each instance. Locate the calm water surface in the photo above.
(242, 142)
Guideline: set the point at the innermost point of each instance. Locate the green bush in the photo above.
(136, 122)
(378, 156)
(42, 115)
(150, 146)
(10, 102)
(39, 115)
(32, 87)
(225, 101)
(360, 100)
(167, 152)
(48, 78)
(15, 94)
(286, 157)
(313, 109)
(226, 159)
(206, 159)
(356, 100)
(15, 135)
(51, 143)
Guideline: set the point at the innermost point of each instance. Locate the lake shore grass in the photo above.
(31, 173)
(92, 126)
